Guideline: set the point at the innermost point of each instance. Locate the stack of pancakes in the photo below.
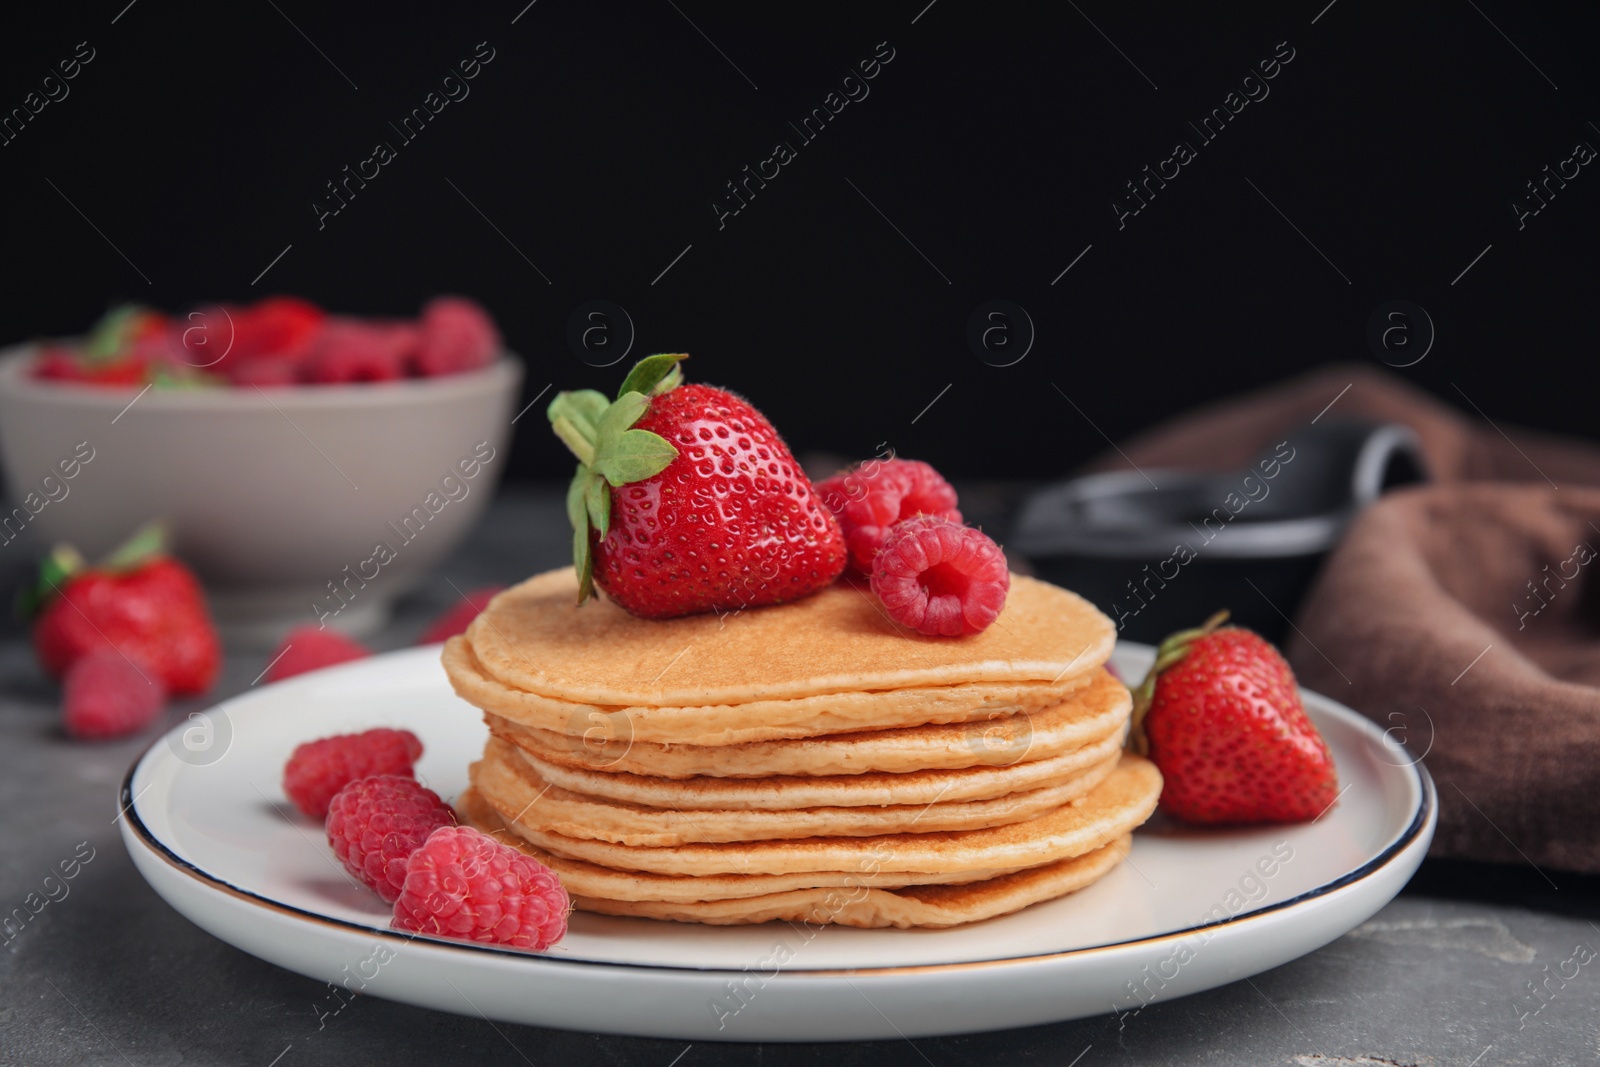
(810, 761)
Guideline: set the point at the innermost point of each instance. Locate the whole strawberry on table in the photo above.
(1220, 714)
(122, 635)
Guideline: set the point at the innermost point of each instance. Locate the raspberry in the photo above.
(375, 823)
(465, 884)
(457, 619)
(352, 350)
(309, 648)
(318, 769)
(457, 335)
(939, 578)
(262, 370)
(875, 496)
(106, 696)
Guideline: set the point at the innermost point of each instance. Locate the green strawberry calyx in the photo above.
(65, 562)
(1168, 654)
(109, 337)
(611, 451)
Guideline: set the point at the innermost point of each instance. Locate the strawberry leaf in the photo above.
(108, 336)
(653, 375)
(589, 404)
(583, 562)
(147, 542)
(573, 416)
(55, 570)
(634, 456)
(578, 515)
(597, 502)
(572, 435)
(627, 410)
(610, 451)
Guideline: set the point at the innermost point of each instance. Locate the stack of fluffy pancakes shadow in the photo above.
(809, 762)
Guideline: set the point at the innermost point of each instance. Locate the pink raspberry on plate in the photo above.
(874, 496)
(457, 335)
(464, 884)
(318, 769)
(939, 578)
(374, 824)
(105, 696)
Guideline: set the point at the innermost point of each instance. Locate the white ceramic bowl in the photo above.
(279, 499)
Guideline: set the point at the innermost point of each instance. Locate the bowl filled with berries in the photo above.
(310, 467)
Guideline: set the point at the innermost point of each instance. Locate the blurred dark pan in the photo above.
(1159, 550)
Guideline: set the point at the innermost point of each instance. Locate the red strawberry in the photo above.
(1220, 714)
(223, 338)
(206, 338)
(456, 620)
(687, 500)
(282, 327)
(140, 602)
(59, 363)
(119, 350)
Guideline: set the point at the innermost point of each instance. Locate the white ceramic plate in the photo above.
(208, 827)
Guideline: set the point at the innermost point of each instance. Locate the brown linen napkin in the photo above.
(1464, 618)
(1461, 615)
(1230, 434)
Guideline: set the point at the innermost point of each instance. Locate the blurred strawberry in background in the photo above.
(139, 602)
(120, 350)
(265, 343)
(123, 635)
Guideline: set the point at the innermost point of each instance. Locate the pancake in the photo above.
(1098, 711)
(869, 789)
(587, 880)
(1123, 801)
(510, 783)
(811, 761)
(759, 720)
(934, 906)
(535, 638)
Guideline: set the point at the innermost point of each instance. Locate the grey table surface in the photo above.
(110, 975)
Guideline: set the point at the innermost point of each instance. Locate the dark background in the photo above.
(594, 145)
(599, 136)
